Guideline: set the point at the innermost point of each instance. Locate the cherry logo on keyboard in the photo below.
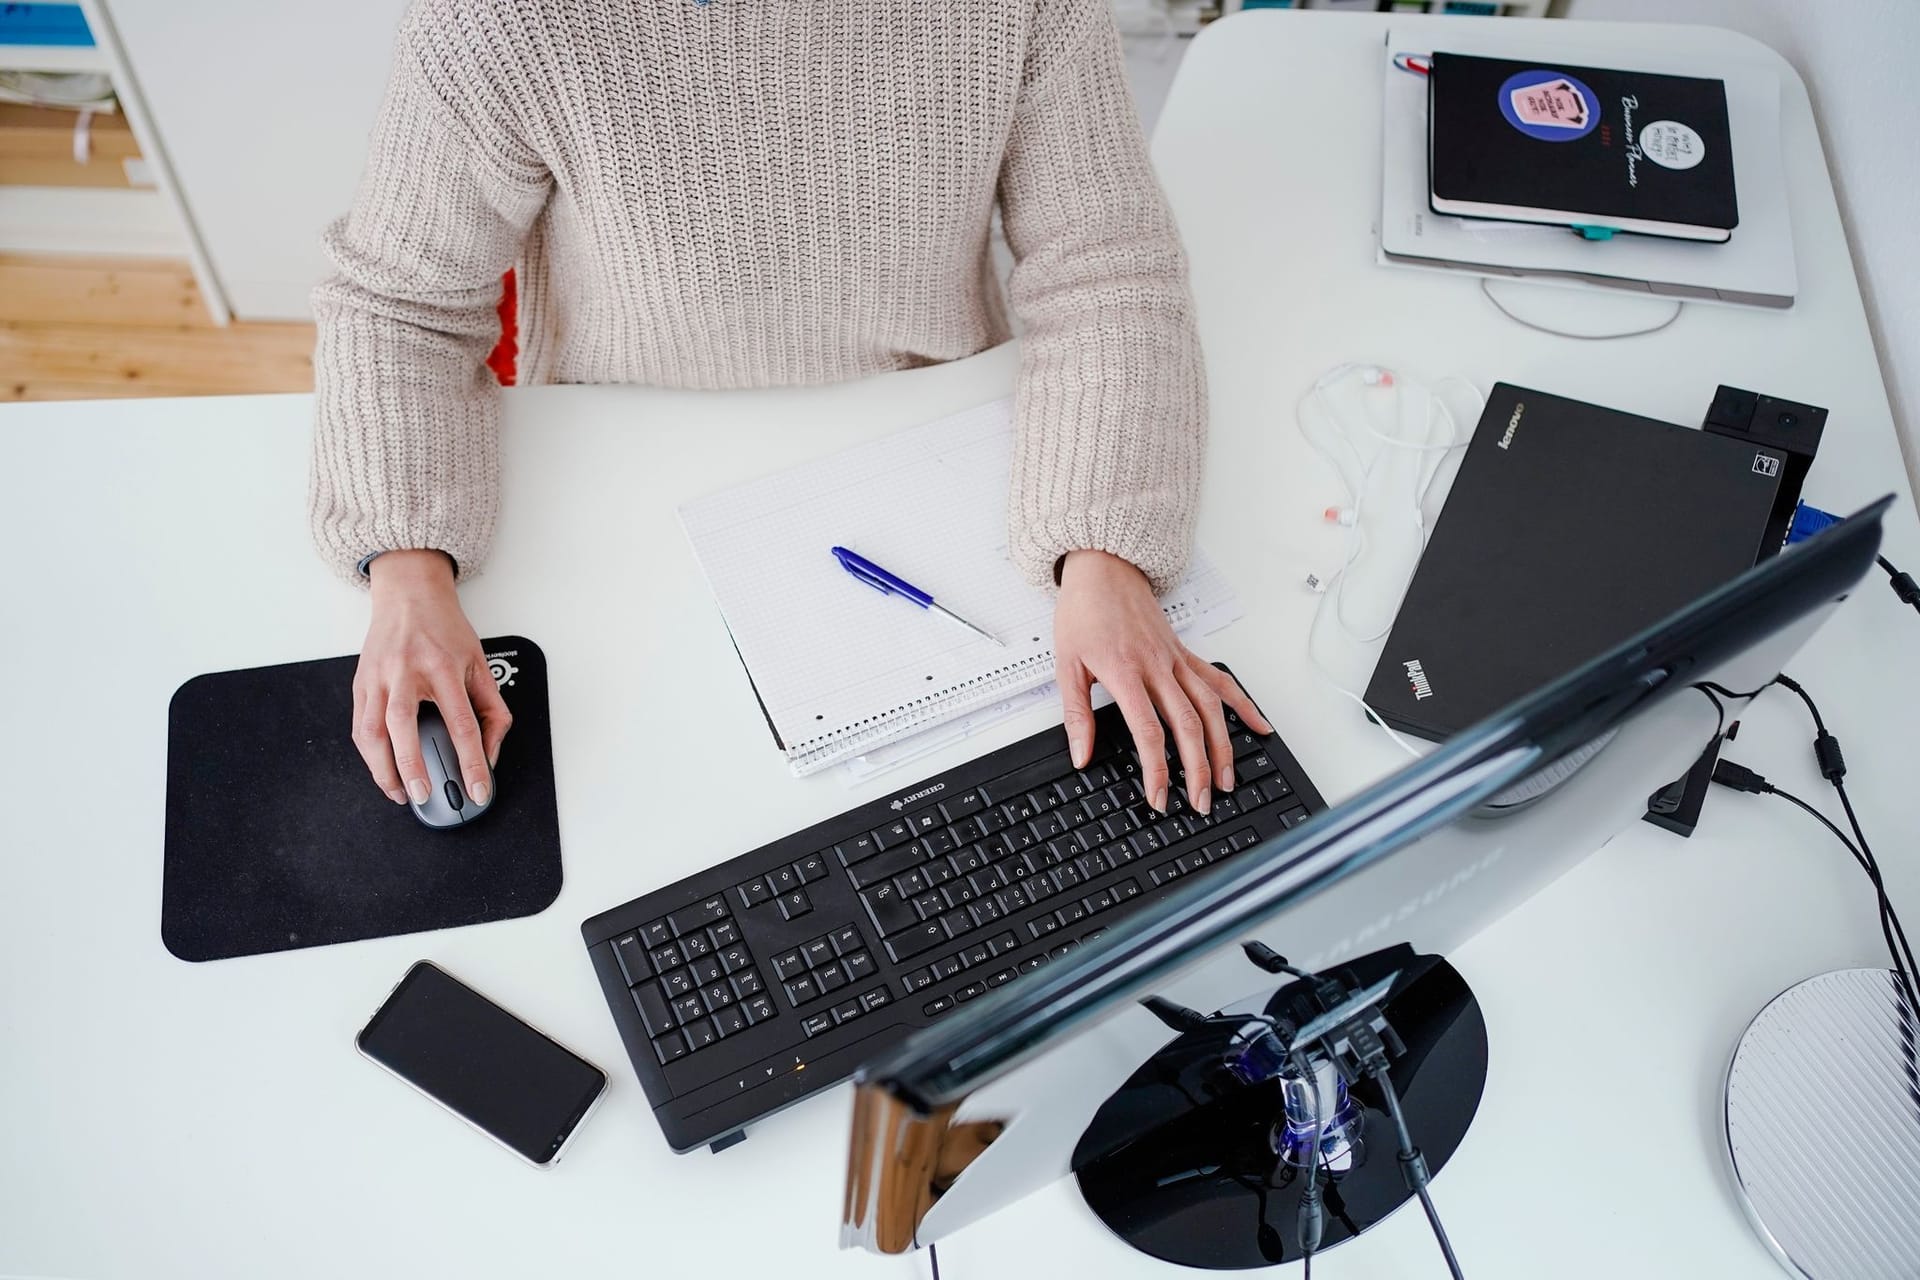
(922, 794)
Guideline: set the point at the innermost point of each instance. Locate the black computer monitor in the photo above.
(1068, 1071)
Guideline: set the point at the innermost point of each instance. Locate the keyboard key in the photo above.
(921, 821)
(918, 980)
(701, 1034)
(632, 954)
(1061, 950)
(729, 1021)
(1093, 865)
(1275, 788)
(1013, 898)
(1042, 926)
(1032, 962)
(1245, 743)
(991, 820)
(695, 945)
(957, 924)
(886, 866)
(1293, 818)
(747, 983)
(858, 965)
(846, 938)
(794, 905)
(670, 1049)
(676, 982)
(1010, 785)
(816, 951)
(874, 999)
(801, 990)
(1254, 767)
(724, 934)
(1191, 862)
(1072, 913)
(1067, 876)
(1146, 842)
(984, 912)
(985, 882)
(858, 849)
(831, 976)
(975, 953)
(706, 969)
(657, 934)
(939, 871)
(964, 805)
(969, 991)
(696, 918)
(934, 1008)
(1244, 838)
(969, 830)
(753, 893)
(1224, 807)
(1097, 901)
(889, 911)
(958, 894)
(1127, 889)
(1163, 873)
(1219, 849)
(1118, 827)
(816, 1023)
(914, 941)
(846, 1011)
(893, 833)
(967, 861)
(1047, 826)
(945, 967)
(688, 1009)
(783, 880)
(1018, 810)
(912, 883)
(655, 1016)
(1002, 977)
(1071, 789)
(938, 842)
(735, 958)
(811, 868)
(1098, 805)
(758, 1009)
(789, 964)
(717, 996)
(667, 957)
(929, 905)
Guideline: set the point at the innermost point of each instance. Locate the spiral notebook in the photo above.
(840, 669)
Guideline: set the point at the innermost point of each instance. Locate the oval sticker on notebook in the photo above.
(1672, 145)
(1549, 105)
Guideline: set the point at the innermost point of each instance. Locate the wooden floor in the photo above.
(79, 329)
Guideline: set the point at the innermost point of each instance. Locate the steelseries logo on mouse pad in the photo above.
(500, 669)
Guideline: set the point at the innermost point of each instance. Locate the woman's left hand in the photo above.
(1108, 627)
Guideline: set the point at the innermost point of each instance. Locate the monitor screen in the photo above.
(973, 1113)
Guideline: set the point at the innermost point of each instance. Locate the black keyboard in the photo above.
(826, 947)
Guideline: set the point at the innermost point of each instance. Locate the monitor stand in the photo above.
(1181, 1163)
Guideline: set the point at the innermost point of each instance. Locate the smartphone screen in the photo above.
(481, 1062)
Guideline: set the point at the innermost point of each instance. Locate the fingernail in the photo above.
(417, 788)
(1158, 799)
(397, 796)
(480, 793)
(1226, 777)
(1203, 801)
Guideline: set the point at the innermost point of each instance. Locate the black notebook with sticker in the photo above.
(1599, 150)
(277, 838)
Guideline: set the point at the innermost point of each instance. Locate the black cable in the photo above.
(1902, 583)
(1310, 1221)
(1413, 1165)
(933, 1256)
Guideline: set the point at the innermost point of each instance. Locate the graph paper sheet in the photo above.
(842, 669)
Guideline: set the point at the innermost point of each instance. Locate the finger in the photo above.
(1189, 737)
(463, 726)
(1076, 706)
(1149, 739)
(403, 729)
(370, 738)
(1213, 722)
(1232, 694)
(495, 719)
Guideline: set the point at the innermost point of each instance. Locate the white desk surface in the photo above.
(163, 1119)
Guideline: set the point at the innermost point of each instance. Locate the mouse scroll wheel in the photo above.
(454, 797)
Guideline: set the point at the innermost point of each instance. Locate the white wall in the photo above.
(1858, 59)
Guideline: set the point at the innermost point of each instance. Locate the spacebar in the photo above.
(1011, 786)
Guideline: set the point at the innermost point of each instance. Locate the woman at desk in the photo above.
(749, 193)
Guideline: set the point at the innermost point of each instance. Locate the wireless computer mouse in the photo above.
(447, 803)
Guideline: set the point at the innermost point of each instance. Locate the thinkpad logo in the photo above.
(904, 801)
(1417, 679)
(1765, 465)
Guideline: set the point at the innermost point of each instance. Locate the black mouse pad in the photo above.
(277, 837)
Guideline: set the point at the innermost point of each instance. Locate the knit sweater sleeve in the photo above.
(1110, 404)
(406, 448)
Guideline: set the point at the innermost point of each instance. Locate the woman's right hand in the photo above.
(421, 648)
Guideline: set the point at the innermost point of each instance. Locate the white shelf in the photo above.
(93, 220)
(50, 57)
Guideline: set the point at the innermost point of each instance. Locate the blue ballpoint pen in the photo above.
(885, 583)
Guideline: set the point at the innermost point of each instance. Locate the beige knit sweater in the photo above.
(750, 193)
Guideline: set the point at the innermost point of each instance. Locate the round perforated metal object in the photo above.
(1823, 1126)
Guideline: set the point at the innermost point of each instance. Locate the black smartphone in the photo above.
(517, 1085)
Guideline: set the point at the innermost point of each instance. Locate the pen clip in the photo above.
(879, 579)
